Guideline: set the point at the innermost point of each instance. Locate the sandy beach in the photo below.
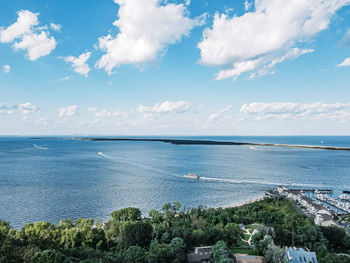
(244, 203)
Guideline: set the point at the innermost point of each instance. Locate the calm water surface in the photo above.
(48, 180)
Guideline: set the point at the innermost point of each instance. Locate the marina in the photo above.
(345, 207)
(325, 210)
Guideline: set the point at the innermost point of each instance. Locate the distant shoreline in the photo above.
(206, 142)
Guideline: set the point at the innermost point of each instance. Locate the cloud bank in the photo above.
(258, 40)
(296, 111)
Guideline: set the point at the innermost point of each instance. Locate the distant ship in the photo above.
(191, 176)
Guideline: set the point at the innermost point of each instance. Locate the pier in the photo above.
(345, 207)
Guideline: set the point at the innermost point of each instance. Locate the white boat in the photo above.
(344, 197)
(191, 176)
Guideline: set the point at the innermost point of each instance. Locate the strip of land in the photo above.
(210, 142)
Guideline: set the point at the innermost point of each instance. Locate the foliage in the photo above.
(221, 253)
(168, 235)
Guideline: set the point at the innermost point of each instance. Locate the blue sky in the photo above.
(148, 67)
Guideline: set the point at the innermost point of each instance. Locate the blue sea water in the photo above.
(48, 180)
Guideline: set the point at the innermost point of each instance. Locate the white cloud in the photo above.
(43, 121)
(79, 64)
(66, 78)
(345, 63)
(24, 108)
(6, 68)
(146, 28)
(68, 111)
(165, 107)
(298, 111)
(27, 108)
(56, 27)
(257, 41)
(247, 5)
(25, 21)
(109, 83)
(91, 109)
(37, 45)
(105, 113)
(25, 29)
(219, 113)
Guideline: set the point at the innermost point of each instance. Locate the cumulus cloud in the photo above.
(298, 111)
(36, 45)
(28, 36)
(56, 27)
(68, 111)
(219, 113)
(345, 63)
(6, 68)
(256, 41)
(25, 21)
(165, 107)
(24, 108)
(146, 28)
(79, 64)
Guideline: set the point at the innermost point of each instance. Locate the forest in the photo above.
(169, 234)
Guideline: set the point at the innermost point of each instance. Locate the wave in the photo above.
(39, 147)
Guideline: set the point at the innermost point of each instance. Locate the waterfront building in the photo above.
(200, 255)
(299, 255)
(324, 218)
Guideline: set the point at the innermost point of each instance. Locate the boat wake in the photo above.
(234, 181)
(103, 155)
(39, 147)
(255, 148)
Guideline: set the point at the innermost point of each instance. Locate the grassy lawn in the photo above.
(241, 250)
(246, 237)
(252, 226)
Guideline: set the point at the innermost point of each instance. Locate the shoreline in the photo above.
(251, 201)
(202, 142)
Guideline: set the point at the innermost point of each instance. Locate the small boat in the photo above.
(191, 176)
(344, 197)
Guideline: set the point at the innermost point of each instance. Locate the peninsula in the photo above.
(205, 142)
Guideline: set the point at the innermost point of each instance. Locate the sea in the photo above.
(47, 179)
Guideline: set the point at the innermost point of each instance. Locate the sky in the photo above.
(175, 67)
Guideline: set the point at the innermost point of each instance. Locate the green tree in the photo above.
(160, 253)
(136, 234)
(178, 250)
(275, 254)
(232, 234)
(127, 214)
(41, 234)
(221, 254)
(337, 238)
(49, 256)
(134, 254)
